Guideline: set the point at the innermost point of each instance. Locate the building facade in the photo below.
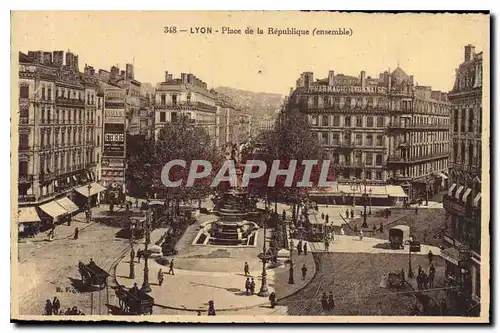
(375, 129)
(57, 136)
(463, 201)
(185, 96)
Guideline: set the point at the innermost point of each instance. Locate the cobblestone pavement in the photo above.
(48, 269)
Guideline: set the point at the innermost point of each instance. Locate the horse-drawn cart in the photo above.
(396, 279)
(134, 301)
(93, 275)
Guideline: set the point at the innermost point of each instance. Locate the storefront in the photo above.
(359, 194)
(52, 213)
(89, 194)
(28, 221)
(397, 194)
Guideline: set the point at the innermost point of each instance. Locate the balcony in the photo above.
(26, 121)
(412, 127)
(69, 101)
(353, 165)
(188, 106)
(414, 159)
(25, 179)
(26, 198)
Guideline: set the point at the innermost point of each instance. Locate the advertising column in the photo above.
(113, 157)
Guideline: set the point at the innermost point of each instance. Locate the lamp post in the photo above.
(370, 193)
(132, 254)
(410, 271)
(264, 257)
(290, 276)
(365, 196)
(353, 188)
(145, 285)
(89, 187)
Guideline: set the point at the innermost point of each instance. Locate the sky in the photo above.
(428, 46)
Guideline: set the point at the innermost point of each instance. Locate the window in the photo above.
(378, 175)
(49, 115)
(335, 138)
(23, 141)
(369, 121)
(163, 100)
(324, 138)
(369, 140)
(359, 139)
(43, 92)
(43, 115)
(471, 120)
(463, 153)
(174, 99)
(336, 121)
(49, 93)
(98, 121)
(369, 159)
(24, 91)
(380, 140)
(326, 101)
(368, 175)
(23, 168)
(471, 154)
(348, 121)
(316, 101)
(378, 159)
(335, 158)
(462, 123)
(325, 121)
(380, 121)
(359, 121)
(163, 117)
(314, 120)
(24, 112)
(63, 135)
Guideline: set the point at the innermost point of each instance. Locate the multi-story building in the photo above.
(463, 201)
(146, 116)
(57, 157)
(187, 96)
(377, 130)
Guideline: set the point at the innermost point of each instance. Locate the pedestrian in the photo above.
(304, 271)
(138, 255)
(56, 305)
(247, 269)
(322, 216)
(331, 302)
(247, 287)
(381, 228)
(91, 263)
(420, 270)
(76, 234)
(136, 203)
(283, 214)
(347, 213)
(327, 245)
(361, 234)
(135, 289)
(305, 248)
(299, 247)
(430, 256)
(352, 214)
(432, 275)
(426, 281)
(416, 210)
(67, 312)
(211, 308)
(252, 286)
(444, 309)
(272, 299)
(342, 232)
(171, 267)
(160, 277)
(324, 302)
(374, 228)
(48, 308)
(199, 312)
(327, 218)
(425, 236)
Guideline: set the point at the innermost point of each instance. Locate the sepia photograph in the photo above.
(250, 166)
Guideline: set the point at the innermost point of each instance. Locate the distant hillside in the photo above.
(258, 104)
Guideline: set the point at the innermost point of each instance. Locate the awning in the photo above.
(376, 191)
(451, 254)
(157, 202)
(53, 209)
(477, 199)
(442, 175)
(466, 194)
(460, 189)
(28, 215)
(67, 204)
(452, 187)
(396, 191)
(94, 189)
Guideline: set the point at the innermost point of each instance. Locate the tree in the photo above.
(140, 151)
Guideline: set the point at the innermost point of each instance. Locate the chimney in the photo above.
(389, 83)
(129, 70)
(190, 78)
(166, 76)
(183, 77)
(412, 79)
(309, 78)
(122, 73)
(47, 57)
(75, 63)
(331, 78)
(114, 73)
(170, 77)
(92, 70)
(363, 79)
(469, 52)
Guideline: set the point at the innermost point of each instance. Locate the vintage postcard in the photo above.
(250, 166)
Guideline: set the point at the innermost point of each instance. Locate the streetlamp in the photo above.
(290, 276)
(353, 188)
(370, 192)
(145, 285)
(264, 257)
(89, 187)
(365, 224)
(132, 253)
(410, 271)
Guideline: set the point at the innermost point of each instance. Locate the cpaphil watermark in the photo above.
(298, 175)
